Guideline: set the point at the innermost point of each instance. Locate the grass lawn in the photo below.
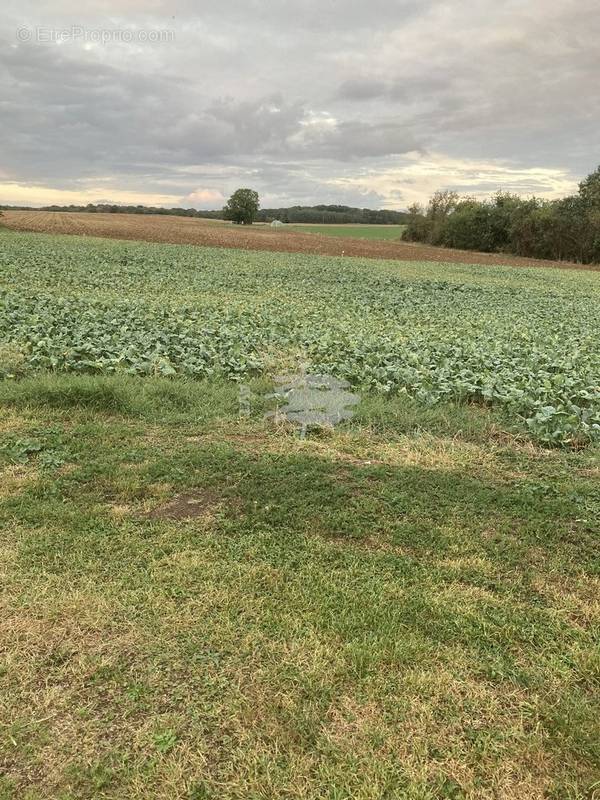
(404, 608)
(355, 231)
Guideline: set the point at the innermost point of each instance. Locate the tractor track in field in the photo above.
(210, 233)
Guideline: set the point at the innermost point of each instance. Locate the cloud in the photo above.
(35, 195)
(203, 198)
(414, 179)
(307, 102)
(361, 88)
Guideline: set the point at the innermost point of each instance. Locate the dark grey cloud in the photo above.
(308, 100)
(404, 89)
(361, 88)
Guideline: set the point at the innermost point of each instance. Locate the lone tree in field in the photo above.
(242, 207)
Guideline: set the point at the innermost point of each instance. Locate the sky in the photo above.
(373, 104)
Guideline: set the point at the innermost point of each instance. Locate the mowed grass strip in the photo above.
(381, 232)
(406, 607)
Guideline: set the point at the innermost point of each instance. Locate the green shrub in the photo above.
(567, 229)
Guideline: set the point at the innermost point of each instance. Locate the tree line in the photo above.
(114, 208)
(333, 215)
(323, 214)
(562, 230)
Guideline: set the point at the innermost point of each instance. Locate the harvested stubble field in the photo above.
(212, 233)
(198, 604)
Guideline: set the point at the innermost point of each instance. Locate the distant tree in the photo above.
(589, 190)
(468, 227)
(242, 207)
(417, 225)
(430, 226)
(441, 206)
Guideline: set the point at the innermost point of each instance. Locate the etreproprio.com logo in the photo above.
(79, 33)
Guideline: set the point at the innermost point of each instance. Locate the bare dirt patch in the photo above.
(186, 506)
(210, 233)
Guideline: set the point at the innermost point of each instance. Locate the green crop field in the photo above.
(524, 341)
(197, 603)
(385, 232)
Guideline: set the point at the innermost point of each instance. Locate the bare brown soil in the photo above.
(185, 506)
(210, 233)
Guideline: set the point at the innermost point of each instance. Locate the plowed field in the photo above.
(183, 230)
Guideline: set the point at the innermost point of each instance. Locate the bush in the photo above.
(567, 229)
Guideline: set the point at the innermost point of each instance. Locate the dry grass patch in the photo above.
(10, 421)
(14, 478)
(577, 600)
